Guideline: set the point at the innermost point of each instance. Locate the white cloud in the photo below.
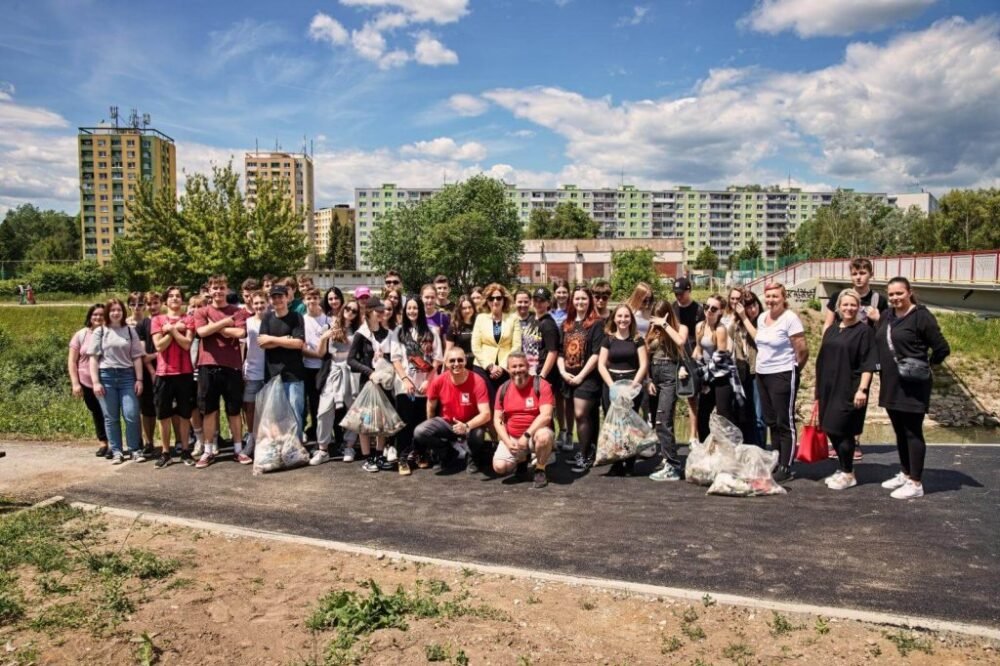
(429, 51)
(242, 38)
(6, 91)
(814, 18)
(420, 11)
(447, 148)
(638, 15)
(468, 105)
(14, 115)
(326, 28)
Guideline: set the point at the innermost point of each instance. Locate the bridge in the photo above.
(963, 281)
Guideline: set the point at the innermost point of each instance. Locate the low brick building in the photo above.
(577, 260)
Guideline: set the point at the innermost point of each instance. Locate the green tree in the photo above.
(30, 235)
(468, 231)
(212, 231)
(566, 220)
(707, 259)
(343, 258)
(750, 251)
(629, 267)
(850, 226)
(969, 220)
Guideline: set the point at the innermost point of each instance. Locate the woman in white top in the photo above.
(640, 303)
(416, 355)
(116, 354)
(781, 353)
(253, 365)
(78, 364)
(714, 350)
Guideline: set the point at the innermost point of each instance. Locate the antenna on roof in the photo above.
(312, 149)
(114, 115)
(623, 176)
(145, 120)
(256, 146)
(133, 118)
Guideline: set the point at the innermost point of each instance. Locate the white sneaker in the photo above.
(897, 481)
(199, 449)
(319, 457)
(390, 454)
(908, 490)
(833, 477)
(117, 459)
(348, 454)
(842, 482)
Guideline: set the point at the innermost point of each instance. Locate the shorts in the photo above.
(147, 402)
(503, 454)
(555, 380)
(174, 394)
(251, 387)
(215, 383)
(589, 389)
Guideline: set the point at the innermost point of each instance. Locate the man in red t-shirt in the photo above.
(174, 388)
(220, 366)
(464, 406)
(522, 417)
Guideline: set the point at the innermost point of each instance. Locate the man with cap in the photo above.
(548, 350)
(689, 313)
(282, 337)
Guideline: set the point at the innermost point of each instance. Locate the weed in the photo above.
(147, 653)
(467, 572)
(740, 653)
(781, 625)
(822, 626)
(26, 656)
(51, 585)
(460, 659)
(532, 600)
(707, 600)
(72, 615)
(876, 651)
(523, 660)
(699, 662)
(146, 565)
(353, 614)
(437, 587)
(435, 652)
(693, 631)
(180, 584)
(906, 642)
(671, 644)
(690, 615)
(588, 605)
(11, 609)
(114, 600)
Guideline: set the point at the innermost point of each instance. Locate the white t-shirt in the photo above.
(416, 361)
(774, 345)
(314, 329)
(253, 364)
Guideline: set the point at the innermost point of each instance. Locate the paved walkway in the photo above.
(936, 557)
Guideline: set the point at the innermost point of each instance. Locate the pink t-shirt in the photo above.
(81, 343)
(217, 349)
(174, 360)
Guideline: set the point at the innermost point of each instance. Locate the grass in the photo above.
(907, 642)
(975, 338)
(738, 653)
(781, 625)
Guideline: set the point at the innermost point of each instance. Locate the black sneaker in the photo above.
(103, 451)
(187, 458)
(579, 464)
(783, 473)
(148, 451)
(522, 471)
(540, 479)
(162, 461)
(384, 464)
(109, 454)
(370, 465)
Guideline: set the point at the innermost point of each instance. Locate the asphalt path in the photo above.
(938, 556)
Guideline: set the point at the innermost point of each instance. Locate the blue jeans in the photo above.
(296, 394)
(120, 400)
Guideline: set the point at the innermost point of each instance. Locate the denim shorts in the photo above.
(251, 387)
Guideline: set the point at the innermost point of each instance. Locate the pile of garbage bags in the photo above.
(371, 413)
(624, 434)
(278, 446)
(730, 467)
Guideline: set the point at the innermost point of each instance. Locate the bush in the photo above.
(85, 277)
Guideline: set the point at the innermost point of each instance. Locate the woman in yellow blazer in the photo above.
(495, 334)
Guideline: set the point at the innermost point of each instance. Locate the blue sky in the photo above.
(884, 95)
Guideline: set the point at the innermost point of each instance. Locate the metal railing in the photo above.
(975, 267)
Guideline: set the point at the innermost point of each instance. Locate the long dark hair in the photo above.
(657, 336)
(421, 325)
(458, 323)
(906, 283)
(90, 313)
(327, 310)
(589, 317)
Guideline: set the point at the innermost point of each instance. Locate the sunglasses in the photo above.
(392, 282)
(712, 308)
(495, 298)
(602, 296)
(351, 310)
(456, 361)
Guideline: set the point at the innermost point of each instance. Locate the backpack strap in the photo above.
(538, 388)
(503, 394)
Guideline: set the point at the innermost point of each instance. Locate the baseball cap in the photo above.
(542, 294)
(279, 290)
(682, 284)
(362, 292)
(374, 303)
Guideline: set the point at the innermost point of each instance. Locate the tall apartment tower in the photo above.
(294, 174)
(323, 219)
(113, 160)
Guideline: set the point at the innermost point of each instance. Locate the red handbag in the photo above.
(813, 445)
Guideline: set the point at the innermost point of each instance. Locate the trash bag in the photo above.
(730, 467)
(371, 413)
(625, 434)
(277, 444)
(383, 374)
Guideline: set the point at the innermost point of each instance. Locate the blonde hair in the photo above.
(640, 295)
(850, 293)
(771, 286)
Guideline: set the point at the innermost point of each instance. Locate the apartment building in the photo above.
(925, 201)
(323, 219)
(293, 172)
(725, 219)
(113, 161)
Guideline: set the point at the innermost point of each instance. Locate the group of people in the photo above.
(488, 379)
(25, 294)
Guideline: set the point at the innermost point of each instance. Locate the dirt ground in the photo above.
(246, 601)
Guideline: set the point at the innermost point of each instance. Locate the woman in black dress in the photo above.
(906, 333)
(460, 330)
(844, 371)
(583, 333)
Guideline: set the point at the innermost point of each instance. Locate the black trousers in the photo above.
(413, 411)
(96, 413)
(311, 403)
(719, 398)
(844, 446)
(436, 435)
(777, 397)
(910, 443)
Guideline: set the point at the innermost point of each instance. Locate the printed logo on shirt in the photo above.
(529, 403)
(465, 399)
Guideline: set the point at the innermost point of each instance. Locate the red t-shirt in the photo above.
(217, 349)
(459, 402)
(174, 360)
(521, 406)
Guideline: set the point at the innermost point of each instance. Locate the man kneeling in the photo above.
(522, 417)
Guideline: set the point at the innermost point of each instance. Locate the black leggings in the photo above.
(96, 413)
(909, 428)
(311, 404)
(413, 412)
(719, 398)
(587, 426)
(777, 398)
(844, 445)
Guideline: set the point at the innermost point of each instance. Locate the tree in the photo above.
(628, 267)
(213, 231)
(567, 220)
(469, 231)
(969, 220)
(340, 248)
(851, 226)
(788, 246)
(30, 235)
(707, 259)
(750, 251)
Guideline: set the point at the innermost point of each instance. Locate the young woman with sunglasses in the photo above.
(666, 342)
(713, 349)
(640, 303)
(371, 342)
(583, 333)
(339, 337)
(742, 332)
(78, 365)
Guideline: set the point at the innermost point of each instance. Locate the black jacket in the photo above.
(916, 335)
(361, 358)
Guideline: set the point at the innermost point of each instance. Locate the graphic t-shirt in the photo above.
(521, 406)
(551, 340)
(531, 342)
(417, 354)
(441, 320)
(580, 343)
(174, 360)
(459, 402)
(314, 327)
(217, 349)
